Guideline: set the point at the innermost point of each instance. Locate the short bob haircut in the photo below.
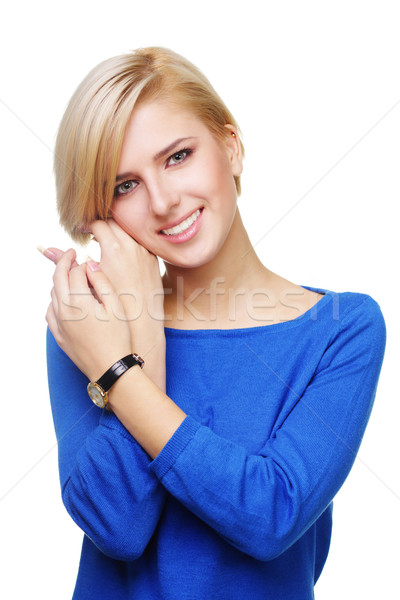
(91, 132)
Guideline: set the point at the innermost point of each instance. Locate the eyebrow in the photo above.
(158, 155)
(170, 147)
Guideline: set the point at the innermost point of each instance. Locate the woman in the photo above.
(212, 471)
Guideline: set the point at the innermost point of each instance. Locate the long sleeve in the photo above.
(263, 502)
(107, 486)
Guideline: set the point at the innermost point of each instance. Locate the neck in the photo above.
(215, 291)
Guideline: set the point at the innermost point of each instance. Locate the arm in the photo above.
(107, 486)
(262, 504)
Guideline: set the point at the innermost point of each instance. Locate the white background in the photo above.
(315, 88)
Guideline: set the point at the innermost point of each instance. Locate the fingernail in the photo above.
(47, 253)
(92, 264)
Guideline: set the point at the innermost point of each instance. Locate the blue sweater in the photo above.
(237, 505)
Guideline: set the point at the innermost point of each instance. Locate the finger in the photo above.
(105, 237)
(119, 232)
(54, 254)
(99, 281)
(81, 288)
(78, 280)
(125, 237)
(61, 275)
(59, 254)
(76, 303)
(101, 230)
(50, 253)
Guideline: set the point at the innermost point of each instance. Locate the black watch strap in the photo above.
(118, 369)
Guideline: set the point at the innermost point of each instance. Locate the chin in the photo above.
(193, 260)
(188, 264)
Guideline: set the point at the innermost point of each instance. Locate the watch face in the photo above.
(98, 396)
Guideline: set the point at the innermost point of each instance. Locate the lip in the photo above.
(186, 235)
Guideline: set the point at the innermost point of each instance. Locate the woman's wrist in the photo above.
(145, 411)
(149, 341)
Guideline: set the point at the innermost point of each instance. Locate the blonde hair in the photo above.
(91, 133)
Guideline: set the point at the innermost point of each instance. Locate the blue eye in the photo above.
(179, 156)
(125, 188)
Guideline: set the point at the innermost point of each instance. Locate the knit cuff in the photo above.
(174, 447)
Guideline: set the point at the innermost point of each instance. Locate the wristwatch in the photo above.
(98, 390)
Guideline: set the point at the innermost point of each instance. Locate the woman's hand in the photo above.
(94, 333)
(135, 276)
(133, 271)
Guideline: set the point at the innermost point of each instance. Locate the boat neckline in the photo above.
(311, 312)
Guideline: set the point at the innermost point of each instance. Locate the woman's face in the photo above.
(175, 193)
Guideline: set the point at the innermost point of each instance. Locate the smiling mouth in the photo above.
(184, 225)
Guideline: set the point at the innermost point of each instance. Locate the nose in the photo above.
(162, 196)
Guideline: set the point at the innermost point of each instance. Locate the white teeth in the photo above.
(182, 226)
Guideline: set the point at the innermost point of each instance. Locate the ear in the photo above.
(234, 149)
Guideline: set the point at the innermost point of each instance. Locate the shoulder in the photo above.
(359, 325)
(347, 306)
(363, 315)
(353, 307)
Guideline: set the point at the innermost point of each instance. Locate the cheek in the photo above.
(128, 218)
(222, 174)
(213, 176)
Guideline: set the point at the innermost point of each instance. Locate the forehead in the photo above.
(154, 125)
